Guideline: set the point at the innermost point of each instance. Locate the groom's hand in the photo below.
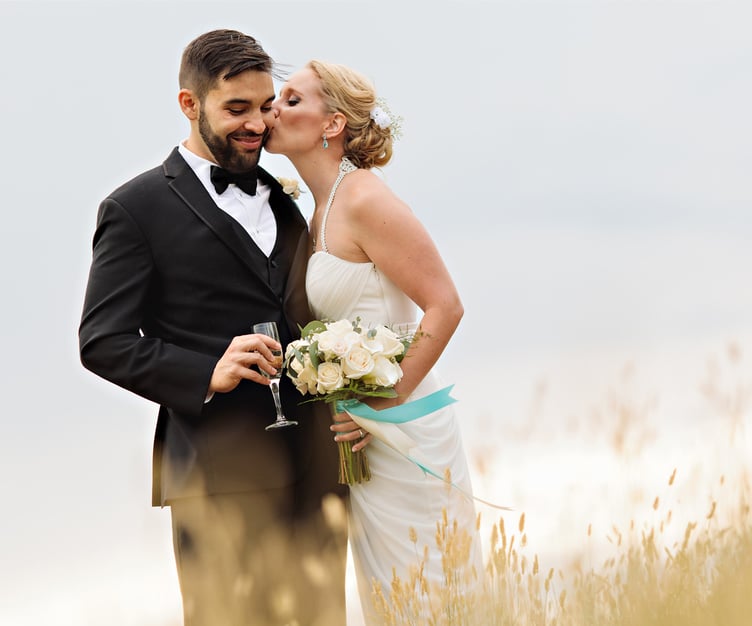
(238, 361)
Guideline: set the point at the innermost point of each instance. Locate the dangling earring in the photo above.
(326, 143)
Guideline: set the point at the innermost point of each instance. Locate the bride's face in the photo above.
(301, 115)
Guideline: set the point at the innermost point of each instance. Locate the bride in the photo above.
(372, 258)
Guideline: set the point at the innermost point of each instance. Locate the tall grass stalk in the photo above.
(702, 579)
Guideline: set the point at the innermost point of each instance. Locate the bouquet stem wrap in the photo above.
(353, 466)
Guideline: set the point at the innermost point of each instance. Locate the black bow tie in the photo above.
(221, 178)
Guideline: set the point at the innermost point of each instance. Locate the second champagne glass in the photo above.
(270, 330)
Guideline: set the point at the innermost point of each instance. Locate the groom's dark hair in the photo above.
(220, 54)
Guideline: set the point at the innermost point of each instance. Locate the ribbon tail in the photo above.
(454, 485)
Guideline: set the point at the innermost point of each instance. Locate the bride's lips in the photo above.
(249, 142)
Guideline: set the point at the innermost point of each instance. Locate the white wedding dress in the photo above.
(400, 497)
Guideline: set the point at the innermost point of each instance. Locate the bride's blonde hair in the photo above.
(344, 90)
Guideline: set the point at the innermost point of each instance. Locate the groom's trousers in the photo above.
(245, 560)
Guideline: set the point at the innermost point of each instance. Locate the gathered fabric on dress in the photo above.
(400, 497)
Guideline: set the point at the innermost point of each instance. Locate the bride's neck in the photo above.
(318, 174)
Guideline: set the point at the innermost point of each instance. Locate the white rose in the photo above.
(303, 375)
(357, 362)
(340, 328)
(385, 373)
(293, 363)
(300, 345)
(384, 342)
(337, 339)
(303, 387)
(329, 377)
(307, 378)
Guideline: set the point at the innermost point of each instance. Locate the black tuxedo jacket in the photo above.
(173, 279)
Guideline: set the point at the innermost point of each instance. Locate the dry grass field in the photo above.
(679, 556)
(703, 579)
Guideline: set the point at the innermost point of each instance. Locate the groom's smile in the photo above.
(247, 141)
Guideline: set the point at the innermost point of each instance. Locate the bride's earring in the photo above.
(326, 143)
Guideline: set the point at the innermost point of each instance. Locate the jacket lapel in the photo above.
(190, 190)
(292, 232)
(286, 213)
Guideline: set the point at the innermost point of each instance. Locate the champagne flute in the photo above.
(270, 329)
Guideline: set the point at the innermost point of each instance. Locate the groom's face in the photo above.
(234, 119)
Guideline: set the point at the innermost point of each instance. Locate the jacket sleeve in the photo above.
(111, 341)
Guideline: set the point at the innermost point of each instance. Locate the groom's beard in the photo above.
(228, 155)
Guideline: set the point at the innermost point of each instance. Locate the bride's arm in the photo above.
(390, 235)
(369, 222)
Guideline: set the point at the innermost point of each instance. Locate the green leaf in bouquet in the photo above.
(313, 352)
(312, 327)
(376, 392)
(385, 392)
(406, 342)
(298, 356)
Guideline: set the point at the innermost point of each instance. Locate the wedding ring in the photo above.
(362, 434)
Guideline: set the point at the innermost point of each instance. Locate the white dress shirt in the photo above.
(252, 212)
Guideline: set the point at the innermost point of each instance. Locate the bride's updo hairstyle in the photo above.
(344, 90)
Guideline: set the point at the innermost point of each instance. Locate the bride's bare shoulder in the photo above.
(366, 190)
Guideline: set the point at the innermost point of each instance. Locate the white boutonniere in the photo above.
(290, 186)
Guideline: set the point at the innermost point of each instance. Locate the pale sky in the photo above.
(583, 166)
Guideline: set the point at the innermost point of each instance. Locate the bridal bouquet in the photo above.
(336, 361)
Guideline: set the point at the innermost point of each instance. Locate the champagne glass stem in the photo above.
(274, 384)
(270, 330)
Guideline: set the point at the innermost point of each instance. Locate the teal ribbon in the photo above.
(404, 412)
(407, 413)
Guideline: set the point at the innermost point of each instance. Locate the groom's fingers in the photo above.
(261, 344)
(240, 360)
(255, 351)
(232, 368)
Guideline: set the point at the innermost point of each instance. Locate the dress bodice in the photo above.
(339, 289)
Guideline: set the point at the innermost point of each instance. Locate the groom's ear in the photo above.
(189, 104)
(336, 125)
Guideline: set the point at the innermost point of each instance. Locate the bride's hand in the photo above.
(348, 430)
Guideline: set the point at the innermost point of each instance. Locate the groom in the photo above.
(186, 258)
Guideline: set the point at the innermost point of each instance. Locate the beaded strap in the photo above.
(345, 167)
